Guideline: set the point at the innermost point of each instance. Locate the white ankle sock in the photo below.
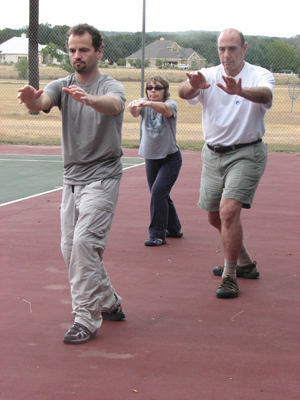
(244, 257)
(229, 269)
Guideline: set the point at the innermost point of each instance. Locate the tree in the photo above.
(137, 63)
(282, 56)
(66, 64)
(159, 63)
(256, 55)
(45, 33)
(111, 51)
(121, 62)
(51, 52)
(7, 33)
(58, 37)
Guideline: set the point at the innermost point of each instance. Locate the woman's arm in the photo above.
(135, 107)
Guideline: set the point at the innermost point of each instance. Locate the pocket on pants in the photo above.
(101, 217)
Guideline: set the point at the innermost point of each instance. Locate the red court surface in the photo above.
(178, 340)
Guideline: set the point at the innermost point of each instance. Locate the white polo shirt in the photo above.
(231, 119)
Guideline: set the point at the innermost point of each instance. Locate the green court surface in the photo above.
(23, 176)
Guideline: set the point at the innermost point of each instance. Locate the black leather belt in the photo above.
(226, 149)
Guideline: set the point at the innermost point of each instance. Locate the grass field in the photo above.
(18, 126)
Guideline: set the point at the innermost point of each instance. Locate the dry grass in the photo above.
(48, 73)
(18, 126)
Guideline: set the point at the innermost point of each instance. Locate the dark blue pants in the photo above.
(161, 176)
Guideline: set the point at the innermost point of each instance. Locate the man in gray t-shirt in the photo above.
(92, 106)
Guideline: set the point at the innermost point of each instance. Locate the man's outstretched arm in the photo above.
(34, 100)
(191, 88)
(262, 95)
(106, 103)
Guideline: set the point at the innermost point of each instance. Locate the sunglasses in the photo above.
(155, 87)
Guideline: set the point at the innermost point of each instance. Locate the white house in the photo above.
(170, 54)
(16, 48)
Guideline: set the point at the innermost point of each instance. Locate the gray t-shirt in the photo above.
(91, 141)
(158, 133)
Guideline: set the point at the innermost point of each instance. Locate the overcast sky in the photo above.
(255, 17)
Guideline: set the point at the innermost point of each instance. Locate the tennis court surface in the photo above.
(178, 340)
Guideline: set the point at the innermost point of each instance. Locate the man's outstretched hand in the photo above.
(231, 85)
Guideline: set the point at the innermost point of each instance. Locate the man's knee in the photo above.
(214, 219)
(230, 211)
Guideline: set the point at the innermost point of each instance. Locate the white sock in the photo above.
(244, 257)
(229, 269)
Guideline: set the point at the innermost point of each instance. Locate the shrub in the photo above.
(121, 62)
(22, 68)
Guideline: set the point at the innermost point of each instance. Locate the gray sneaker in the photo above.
(228, 289)
(79, 334)
(247, 272)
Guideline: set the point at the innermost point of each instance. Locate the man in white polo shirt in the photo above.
(235, 96)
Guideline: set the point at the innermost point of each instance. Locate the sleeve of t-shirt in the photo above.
(173, 106)
(115, 88)
(266, 79)
(54, 91)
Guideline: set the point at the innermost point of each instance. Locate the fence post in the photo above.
(33, 47)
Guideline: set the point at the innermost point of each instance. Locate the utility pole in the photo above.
(143, 49)
(33, 47)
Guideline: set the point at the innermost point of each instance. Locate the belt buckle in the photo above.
(216, 148)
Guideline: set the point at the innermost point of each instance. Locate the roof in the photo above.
(162, 49)
(17, 45)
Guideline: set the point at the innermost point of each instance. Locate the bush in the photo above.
(66, 65)
(22, 68)
(121, 62)
(159, 63)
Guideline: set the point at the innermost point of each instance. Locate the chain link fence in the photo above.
(170, 55)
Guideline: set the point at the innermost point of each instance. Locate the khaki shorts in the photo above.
(233, 175)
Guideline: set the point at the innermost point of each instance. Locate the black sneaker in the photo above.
(174, 235)
(79, 334)
(115, 315)
(247, 272)
(228, 289)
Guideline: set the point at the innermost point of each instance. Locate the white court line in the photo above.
(133, 166)
(55, 161)
(30, 197)
(55, 190)
(21, 160)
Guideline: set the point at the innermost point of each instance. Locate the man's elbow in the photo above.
(267, 97)
(117, 107)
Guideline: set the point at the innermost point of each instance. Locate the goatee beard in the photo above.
(79, 68)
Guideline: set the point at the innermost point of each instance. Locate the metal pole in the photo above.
(293, 96)
(143, 49)
(33, 51)
(143, 57)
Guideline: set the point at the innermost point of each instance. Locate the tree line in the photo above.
(273, 53)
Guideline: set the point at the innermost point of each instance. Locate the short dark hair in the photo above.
(163, 81)
(81, 29)
(239, 32)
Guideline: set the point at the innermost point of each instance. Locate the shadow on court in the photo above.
(178, 340)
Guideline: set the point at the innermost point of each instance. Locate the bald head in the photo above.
(232, 31)
(232, 48)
